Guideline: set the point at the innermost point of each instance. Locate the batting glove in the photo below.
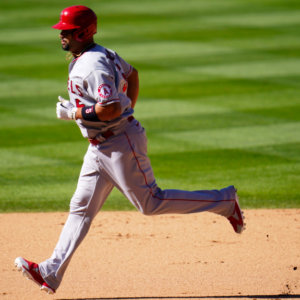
(65, 110)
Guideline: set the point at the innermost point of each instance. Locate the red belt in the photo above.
(107, 134)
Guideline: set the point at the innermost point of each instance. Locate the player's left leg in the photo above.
(92, 190)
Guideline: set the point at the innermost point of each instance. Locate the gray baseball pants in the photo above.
(122, 162)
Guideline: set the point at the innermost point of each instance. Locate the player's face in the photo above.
(66, 38)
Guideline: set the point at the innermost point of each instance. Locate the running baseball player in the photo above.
(103, 90)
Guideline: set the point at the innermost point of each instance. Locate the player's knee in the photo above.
(148, 213)
(151, 210)
(79, 204)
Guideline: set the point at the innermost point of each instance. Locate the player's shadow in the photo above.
(282, 296)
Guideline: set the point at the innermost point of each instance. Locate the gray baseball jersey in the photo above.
(121, 161)
(99, 76)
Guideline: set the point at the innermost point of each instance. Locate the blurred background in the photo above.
(219, 98)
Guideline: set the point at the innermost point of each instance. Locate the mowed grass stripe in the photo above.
(258, 19)
(253, 69)
(25, 88)
(243, 137)
(217, 108)
(261, 95)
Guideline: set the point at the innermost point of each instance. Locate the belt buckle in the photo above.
(94, 142)
(101, 137)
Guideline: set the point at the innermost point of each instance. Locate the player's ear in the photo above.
(80, 36)
(76, 34)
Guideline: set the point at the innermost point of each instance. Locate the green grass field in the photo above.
(219, 98)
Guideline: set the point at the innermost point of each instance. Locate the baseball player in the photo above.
(103, 90)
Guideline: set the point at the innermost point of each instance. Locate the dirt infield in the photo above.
(130, 256)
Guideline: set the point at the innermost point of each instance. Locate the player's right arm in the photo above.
(133, 86)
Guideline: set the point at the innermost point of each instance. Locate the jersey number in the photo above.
(79, 103)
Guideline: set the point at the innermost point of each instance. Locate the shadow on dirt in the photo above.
(283, 296)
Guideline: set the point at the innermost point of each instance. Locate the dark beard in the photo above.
(66, 47)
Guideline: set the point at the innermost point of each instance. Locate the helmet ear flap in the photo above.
(82, 34)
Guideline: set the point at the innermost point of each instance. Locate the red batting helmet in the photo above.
(78, 17)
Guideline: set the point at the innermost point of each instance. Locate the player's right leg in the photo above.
(133, 172)
(236, 219)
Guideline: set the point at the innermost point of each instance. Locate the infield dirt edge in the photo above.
(132, 256)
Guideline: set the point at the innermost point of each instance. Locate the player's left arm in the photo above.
(103, 113)
(99, 111)
(67, 111)
(114, 109)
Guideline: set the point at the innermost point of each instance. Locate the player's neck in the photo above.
(83, 48)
